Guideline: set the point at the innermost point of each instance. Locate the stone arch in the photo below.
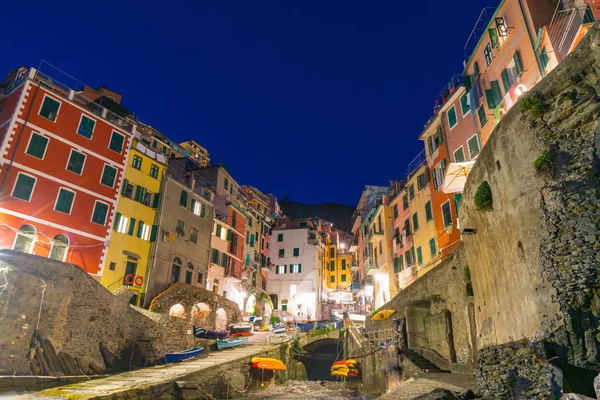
(250, 305)
(221, 319)
(201, 315)
(177, 310)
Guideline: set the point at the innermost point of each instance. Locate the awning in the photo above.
(456, 176)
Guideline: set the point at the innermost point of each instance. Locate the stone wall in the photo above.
(82, 328)
(534, 259)
(189, 297)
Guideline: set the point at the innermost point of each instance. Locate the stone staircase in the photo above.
(422, 363)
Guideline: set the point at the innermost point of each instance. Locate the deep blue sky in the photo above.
(313, 99)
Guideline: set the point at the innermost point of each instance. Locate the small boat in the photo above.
(279, 328)
(383, 315)
(201, 333)
(240, 328)
(271, 364)
(305, 326)
(226, 344)
(255, 320)
(183, 355)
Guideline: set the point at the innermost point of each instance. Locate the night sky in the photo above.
(313, 99)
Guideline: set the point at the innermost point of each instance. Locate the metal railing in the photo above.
(565, 25)
(444, 95)
(416, 163)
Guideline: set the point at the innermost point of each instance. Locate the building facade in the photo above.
(62, 158)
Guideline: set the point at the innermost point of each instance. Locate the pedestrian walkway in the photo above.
(425, 383)
(147, 377)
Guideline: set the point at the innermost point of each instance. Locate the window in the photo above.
(109, 175)
(446, 214)
(474, 147)
(344, 278)
(116, 142)
(64, 201)
(405, 202)
(428, 212)
(280, 237)
(180, 228)
(154, 171)
(100, 213)
(199, 277)
(419, 255)
(438, 174)
(332, 279)
(76, 161)
(233, 219)
(281, 253)
(188, 278)
(112, 266)
(86, 127)
(183, 198)
(332, 252)
(25, 239)
(343, 265)
(332, 266)
(137, 162)
(23, 188)
(226, 183)
(482, 116)
(303, 224)
(121, 223)
(464, 104)
(415, 219)
(487, 53)
(203, 210)
(493, 95)
(175, 270)
(395, 208)
(512, 71)
(281, 269)
(423, 180)
(50, 108)
(452, 120)
(296, 252)
(145, 197)
(459, 155)
(131, 227)
(216, 289)
(143, 231)
(295, 268)
(432, 247)
(494, 40)
(37, 146)
(544, 57)
(434, 141)
(218, 231)
(411, 191)
(195, 207)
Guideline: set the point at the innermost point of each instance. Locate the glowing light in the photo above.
(380, 277)
(519, 90)
(343, 246)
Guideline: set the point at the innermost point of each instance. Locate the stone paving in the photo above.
(146, 377)
(425, 383)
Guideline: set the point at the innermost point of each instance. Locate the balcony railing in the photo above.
(416, 163)
(455, 82)
(370, 265)
(565, 25)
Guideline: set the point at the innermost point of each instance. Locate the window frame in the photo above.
(79, 126)
(428, 215)
(461, 148)
(433, 247)
(442, 210)
(478, 144)
(17, 181)
(82, 165)
(154, 167)
(192, 228)
(114, 132)
(72, 202)
(133, 162)
(462, 110)
(102, 175)
(96, 202)
(46, 95)
(450, 126)
(29, 144)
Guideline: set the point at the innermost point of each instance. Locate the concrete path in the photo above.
(425, 383)
(146, 377)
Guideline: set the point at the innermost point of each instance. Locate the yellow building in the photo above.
(336, 274)
(134, 228)
(421, 221)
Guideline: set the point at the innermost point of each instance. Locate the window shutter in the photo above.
(143, 194)
(491, 99)
(125, 183)
(464, 104)
(443, 164)
(299, 268)
(505, 80)
(229, 233)
(193, 204)
(131, 227)
(285, 269)
(202, 210)
(494, 37)
(153, 233)
(439, 135)
(467, 82)
(156, 200)
(138, 193)
(277, 269)
(497, 91)
(517, 58)
(117, 220)
(140, 229)
(430, 144)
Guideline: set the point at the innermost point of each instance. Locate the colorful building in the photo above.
(403, 250)
(196, 152)
(62, 158)
(135, 225)
(503, 61)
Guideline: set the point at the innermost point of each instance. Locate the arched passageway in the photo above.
(322, 354)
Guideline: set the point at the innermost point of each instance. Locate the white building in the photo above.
(295, 281)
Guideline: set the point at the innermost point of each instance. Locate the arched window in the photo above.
(176, 270)
(190, 265)
(60, 244)
(25, 239)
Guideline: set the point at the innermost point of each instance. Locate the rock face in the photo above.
(535, 258)
(57, 320)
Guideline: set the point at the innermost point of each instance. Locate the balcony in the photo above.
(371, 267)
(376, 236)
(567, 26)
(354, 267)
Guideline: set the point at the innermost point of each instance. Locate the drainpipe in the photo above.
(12, 158)
(535, 53)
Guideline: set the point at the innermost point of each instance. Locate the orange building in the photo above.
(62, 158)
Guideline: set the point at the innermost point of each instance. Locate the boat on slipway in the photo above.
(183, 355)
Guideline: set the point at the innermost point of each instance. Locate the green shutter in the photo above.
(156, 200)
(193, 204)
(506, 80)
(419, 255)
(143, 194)
(299, 268)
(183, 198)
(117, 220)
(464, 104)
(202, 210)
(153, 233)
(452, 121)
(467, 82)
(491, 98)
(544, 57)
(140, 229)
(457, 198)
(125, 183)
(430, 144)
(395, 265)
(494, 37)
(138, 193)
(285, 269)
(432, 247)
(131, 227)
(229, 233)
(497, 91)
(415, 222)
(517, 58)
(428, 213)
(439, 133)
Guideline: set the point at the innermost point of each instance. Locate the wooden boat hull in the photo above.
(183, 355)
(226, 344)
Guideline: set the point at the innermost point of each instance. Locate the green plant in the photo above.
(543, 162)
(533, 105)
(483, 197)
(92, 318)
(375, 311)
(274, 320)
(467, 274)
(435, 297)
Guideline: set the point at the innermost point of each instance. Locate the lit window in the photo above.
(154, 171)
(121, 223)
(25, 239)
(281, 269)
(60, 244)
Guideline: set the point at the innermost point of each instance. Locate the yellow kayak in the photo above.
(339, 373)
(383, 315)
(261, 359)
